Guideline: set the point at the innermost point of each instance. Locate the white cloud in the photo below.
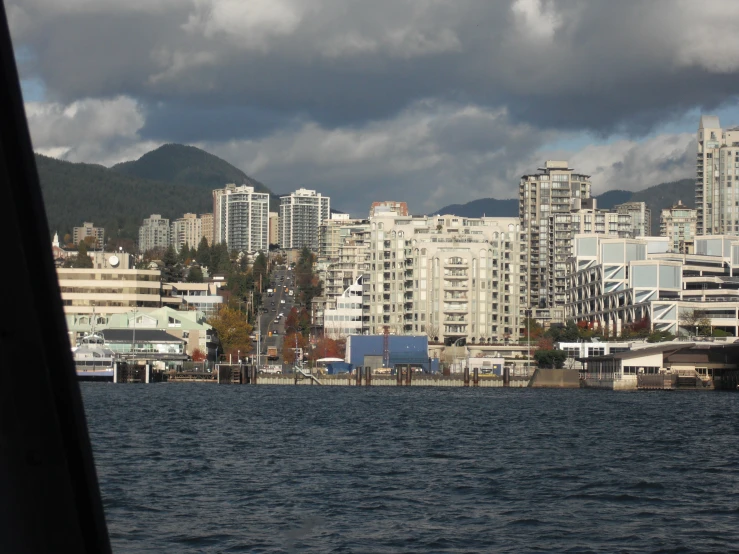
(636, 165)
(93, 131)
(249, 24)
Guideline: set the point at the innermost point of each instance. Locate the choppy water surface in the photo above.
(208, 468)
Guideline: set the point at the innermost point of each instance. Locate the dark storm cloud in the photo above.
(603, 66)
(433, 101)
(195, 123)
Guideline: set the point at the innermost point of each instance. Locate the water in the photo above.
(208, 468)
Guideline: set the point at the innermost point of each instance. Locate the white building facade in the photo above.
(301, 215)
(154, 233)
(447, 277)
(717, 173)
(241, 218)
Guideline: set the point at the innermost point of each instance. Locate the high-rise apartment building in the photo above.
(678, 224)
(88, 230)
(446, 277)
(241, 218)
(206, 226)
(301, 215)
(334, 232)
(186, 231)
(274, 229)
(640, 216)
(546, 200)
(716, 195)
(154, 233)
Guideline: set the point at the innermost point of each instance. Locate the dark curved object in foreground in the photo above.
(49, 496)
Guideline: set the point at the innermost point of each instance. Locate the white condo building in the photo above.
(447, 277)
(241, 218)
(186, 231)
(154, 233)
(717, 177)
(301, 215)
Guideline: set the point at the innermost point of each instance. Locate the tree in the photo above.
(232, 329)
(288, 346)
(259, 268)
(533, 326)
(195, 275)
(91, 242)
(83, 259)
(638, 329)
(704, 325)
(171, 272)
(298, 321)
(660, 336)
(328, 348)
(198, 355)
(689, 319)
(202, 255)
(550, 358)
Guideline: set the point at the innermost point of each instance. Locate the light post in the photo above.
(133, 342)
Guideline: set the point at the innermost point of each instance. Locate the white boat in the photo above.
(93, 360)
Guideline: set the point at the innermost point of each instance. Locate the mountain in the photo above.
(665, 195)
(181, 164)
(489, 207)
(657, 198)
(77, 192)
(172, 180)
(188, 165)
(609, 199)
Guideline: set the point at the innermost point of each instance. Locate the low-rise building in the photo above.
(617, 282)
(108, 290)
(203, 297)
(190, 326)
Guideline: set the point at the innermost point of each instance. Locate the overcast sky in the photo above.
(428, 101)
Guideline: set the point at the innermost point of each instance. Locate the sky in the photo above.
(426, 101)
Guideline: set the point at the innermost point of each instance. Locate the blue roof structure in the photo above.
(402, 349)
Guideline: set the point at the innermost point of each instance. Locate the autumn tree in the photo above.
(198, 355)
(289, 344)
(329, 348)
(298, 321)
(232, 329)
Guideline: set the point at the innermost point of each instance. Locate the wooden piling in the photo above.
(367, 376)
(466, 376)
(476, 377)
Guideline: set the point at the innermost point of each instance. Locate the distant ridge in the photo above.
(172, 180)
(657, 198)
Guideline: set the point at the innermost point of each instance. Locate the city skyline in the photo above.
(442, 104)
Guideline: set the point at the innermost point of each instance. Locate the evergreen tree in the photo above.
(203, 254)
(171, 270)
(259, 269)
(82, 259)
(195, 275)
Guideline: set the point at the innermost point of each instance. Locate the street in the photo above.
(281, 280)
